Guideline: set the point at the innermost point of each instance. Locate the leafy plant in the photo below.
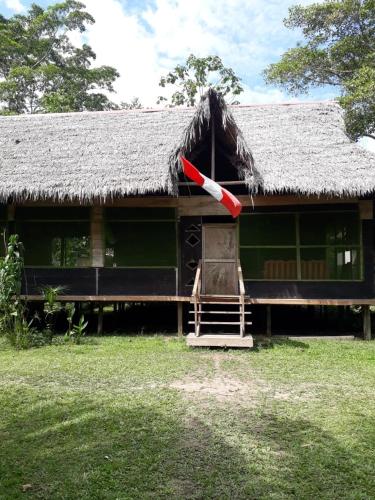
(12, 308)
(51, 306)
(196, 76)
(70, 311)
(339, 51)
(41, 70)
(134, 103)
(78, 330)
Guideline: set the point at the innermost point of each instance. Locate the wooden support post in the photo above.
(366, 323)
(97, 237)
(268, 321)
(213, 159)
(180, 319)
(100, 320)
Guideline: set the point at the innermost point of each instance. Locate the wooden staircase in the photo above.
(213, 315)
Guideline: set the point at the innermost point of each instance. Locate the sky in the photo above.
(145, 39)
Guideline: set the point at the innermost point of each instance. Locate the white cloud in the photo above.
(143, 45)
(367, 143)
(14, 5)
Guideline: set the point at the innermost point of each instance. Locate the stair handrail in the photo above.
(241, 288)
(197, 287)
(241, 284)
(197, 281)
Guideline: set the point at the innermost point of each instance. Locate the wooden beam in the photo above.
(310, 302)
(186, 201)
(221, 183)
(206, 205)
(136, 201)
(111, 298)
(179, 298)
(366, 322)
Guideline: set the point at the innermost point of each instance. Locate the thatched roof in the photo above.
(299, 148)
(213, 108)
(303, 148)
(88, 155)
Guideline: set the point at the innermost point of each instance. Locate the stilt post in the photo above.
(268, 321)
(100, 320)
(366, 323)
(180, 317)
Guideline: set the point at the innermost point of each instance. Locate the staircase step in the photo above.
(220, 322)
(220, 340)
(221, 295)
(220, 312)
(215, 302)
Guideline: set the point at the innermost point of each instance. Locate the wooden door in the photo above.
(220, 259)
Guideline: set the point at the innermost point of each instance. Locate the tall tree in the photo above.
(197, 75)
(339, 50)
(134, 103)
(42, 71)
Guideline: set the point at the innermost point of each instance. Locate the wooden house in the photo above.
(103, 210)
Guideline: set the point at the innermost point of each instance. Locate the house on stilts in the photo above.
(101, 205)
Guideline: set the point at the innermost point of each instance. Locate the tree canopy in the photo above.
(339, 50)
(42, 71)
(196, 76)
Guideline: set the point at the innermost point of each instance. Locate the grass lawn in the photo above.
(146, 417)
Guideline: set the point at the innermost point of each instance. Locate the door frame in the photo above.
(233, 225)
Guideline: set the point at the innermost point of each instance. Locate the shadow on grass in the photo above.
(75, 447)
(262, 342)
(312, 463)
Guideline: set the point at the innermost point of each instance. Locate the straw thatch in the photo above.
(213, 109)
(299, 148)
(303, 148)
(88, 155)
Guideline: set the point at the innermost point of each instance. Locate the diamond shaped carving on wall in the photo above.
(193, 227)
(192, 265)
(192, 240)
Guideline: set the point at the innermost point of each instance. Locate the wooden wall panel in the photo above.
(79, 281)
(121, 281)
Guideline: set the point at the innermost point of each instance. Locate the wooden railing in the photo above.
(241, 289)
(196, 299)
(197, 288)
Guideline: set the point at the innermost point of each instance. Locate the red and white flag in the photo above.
(222, 195)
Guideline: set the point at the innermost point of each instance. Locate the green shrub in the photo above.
(78, 330)
(12, 309)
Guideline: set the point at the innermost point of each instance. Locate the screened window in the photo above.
(57, 237)
(141, 237)
(304, 246)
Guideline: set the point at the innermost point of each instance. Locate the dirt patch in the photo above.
(226, 387)
(220, 384)
(221, 387)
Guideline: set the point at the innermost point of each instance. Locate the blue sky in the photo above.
(145, 39)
